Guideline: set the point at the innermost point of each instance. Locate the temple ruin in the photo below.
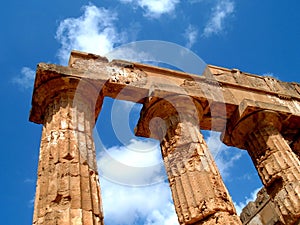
(258, 114)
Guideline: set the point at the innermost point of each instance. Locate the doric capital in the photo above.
(239, 128)
(50, 82)
(158, 113)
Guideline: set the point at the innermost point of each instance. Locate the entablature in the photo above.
(222, 92)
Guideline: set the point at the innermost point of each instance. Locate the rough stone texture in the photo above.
(277, 165)
(68, 190)
(261, 212)
(227, 101)
(296, 147)
(220, 90)
(199, 194)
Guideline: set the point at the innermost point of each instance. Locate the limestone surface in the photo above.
(258, 114)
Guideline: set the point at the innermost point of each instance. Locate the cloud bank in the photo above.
(123, 202)
(150, 205)
(138, 163)
(96, 31)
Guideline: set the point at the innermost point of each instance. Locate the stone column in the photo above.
(199, 194)
(67, 190)
(277, 165)
(296, 147)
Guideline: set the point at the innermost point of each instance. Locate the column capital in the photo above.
(156, 112)
(49, 85)
(239, 127)
(252, 114)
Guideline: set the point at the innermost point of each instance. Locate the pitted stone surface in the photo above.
(68, 190)
(199, 194)
(225, 100)
(262, 211)
(277, 165)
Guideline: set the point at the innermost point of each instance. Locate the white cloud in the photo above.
(224, 157)
(240, 205)
(220, 12)
(155, 8)
(124, 168)
(132, 205)
(130, 52)
(93, 32)
(190, 35)
(139, 163)
(26, 79)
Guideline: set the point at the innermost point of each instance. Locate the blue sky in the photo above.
(260, 37)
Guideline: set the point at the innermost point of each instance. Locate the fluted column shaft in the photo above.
(296, 147)
(277, 165)
(68, 190)
(199, 194)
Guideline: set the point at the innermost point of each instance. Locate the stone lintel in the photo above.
(220, 91)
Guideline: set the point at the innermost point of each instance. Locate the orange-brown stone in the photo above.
(277, 165)
(199, 194)
(68, 190)
(260, 114)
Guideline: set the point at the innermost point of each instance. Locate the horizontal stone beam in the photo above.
(221, 92)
